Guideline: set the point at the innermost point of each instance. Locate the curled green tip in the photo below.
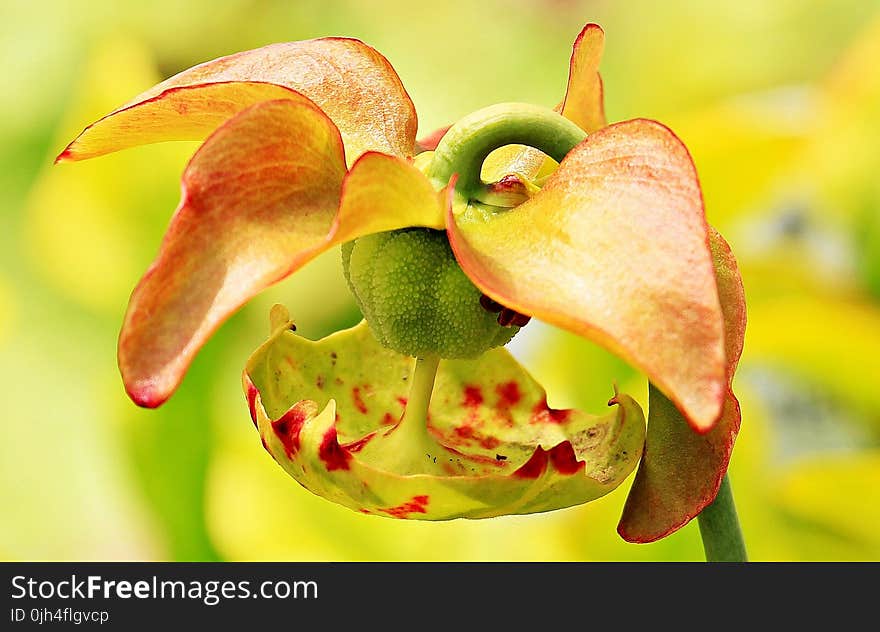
(465, 146)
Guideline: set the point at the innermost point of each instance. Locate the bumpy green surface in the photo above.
(416, 298)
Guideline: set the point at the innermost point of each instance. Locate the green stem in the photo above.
(409, 445)
(421, 387)
(467, 143)
(719, 528)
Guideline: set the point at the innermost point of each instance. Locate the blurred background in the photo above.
(779, 102)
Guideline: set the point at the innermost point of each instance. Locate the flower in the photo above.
(310, 144)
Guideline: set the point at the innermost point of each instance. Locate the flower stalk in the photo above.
(410, 438)
(415, 420)
(720, 530)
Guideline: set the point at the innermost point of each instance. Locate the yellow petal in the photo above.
(384, 193)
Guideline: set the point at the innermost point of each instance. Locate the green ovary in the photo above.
(416, 298)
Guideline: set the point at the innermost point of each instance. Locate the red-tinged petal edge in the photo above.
(353, 84)
(429, 142)
(614, 248)
(188, 112)
(583, 103)
(681, 470)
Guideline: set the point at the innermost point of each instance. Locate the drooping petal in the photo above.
(325, 410)
(260, 199)
(258, 194)
(583, 103)
(351, 82)
(614, 248)
(681, 470)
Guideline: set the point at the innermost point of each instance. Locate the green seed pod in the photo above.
(416, 298)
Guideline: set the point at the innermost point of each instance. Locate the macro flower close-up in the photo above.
(450, 245)
(289, 287)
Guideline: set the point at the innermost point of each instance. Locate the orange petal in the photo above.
(181, 113)
(256, 197)
(351, 82)
(584, 101)
(681, 470)
(261, 198)
(614, 248)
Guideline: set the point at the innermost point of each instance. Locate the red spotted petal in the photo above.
(614, 248)
(333, 414)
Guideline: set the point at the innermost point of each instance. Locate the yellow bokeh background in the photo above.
(779, 102)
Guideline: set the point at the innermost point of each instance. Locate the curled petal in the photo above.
(350, 81)
(265, 194)
(682, 470)
(511, 190)
(520, 160)
(327, 411)
(614, 248)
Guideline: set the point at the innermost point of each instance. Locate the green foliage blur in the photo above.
(779, 103)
